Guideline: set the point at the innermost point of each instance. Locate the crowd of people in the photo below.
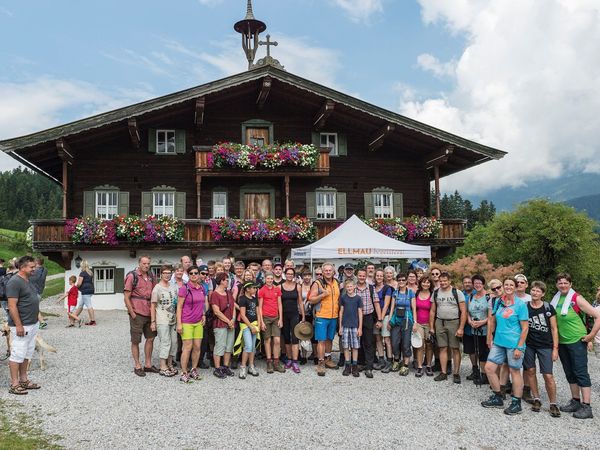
(227, 315)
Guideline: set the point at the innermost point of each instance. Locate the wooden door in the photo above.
(257, 205)
(257, 136)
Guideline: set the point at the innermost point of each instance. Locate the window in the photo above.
(165, 142)
(330, 140)
(326, 205)
(219, 205)
(155, 271)
(382, 203)
(104, 280)
(107, 204)
(163, 204)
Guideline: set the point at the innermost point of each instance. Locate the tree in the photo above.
(547, 238)
(453, 206)
(470, 265)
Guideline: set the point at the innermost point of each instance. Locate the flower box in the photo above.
(414, 227)
(283, 230)
(267, 157)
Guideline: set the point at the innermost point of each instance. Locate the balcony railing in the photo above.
(203, 167)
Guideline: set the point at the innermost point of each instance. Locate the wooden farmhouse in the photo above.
(159, 158)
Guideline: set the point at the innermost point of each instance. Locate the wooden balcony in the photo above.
(203, 169)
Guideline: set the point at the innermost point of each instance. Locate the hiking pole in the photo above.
(476, 342)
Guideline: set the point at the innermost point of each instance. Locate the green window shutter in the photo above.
(342, 145)
(340, 205)
(147, 205)
(89, 204)
(369, 206)
(119, 280)
(180, 141)
(152, 140)
(311, 205)
(398, 205)
(123, 203)
(316, 139)
(180, 205)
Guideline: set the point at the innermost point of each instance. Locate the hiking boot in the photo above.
(387, 368)
(571, 407)
(242, 374)
(474, 374)
(495, 401)
(321, 369)
(341, 362)
(395, 366)
(456, 378)
(288, 364)
(403, 371)
(554, 411)
(527, 395)
(347, 370)
(355, 371)
(368, 373)
(252, 371)
(419, 372)
(270, 366)
(585, 412)
(379, 364)
(514, 407)
(536, 406)
(429, 371)
(441, 377)
(227, 371)
(219, 373)
(279, 367)
(330, 364)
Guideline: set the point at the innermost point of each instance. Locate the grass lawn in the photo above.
(18, 431)
(9, 251)
(54, 287)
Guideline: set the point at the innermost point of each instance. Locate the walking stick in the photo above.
(475, 335)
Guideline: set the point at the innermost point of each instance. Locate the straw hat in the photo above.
(303, 331)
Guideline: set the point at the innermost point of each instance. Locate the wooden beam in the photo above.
(198, 194)
(264, 91)
(440, 157)
(436, 172)
(65, 152)
(378, 138)
(65, 183)
(321, 117)
(199, 112)
(134, 132)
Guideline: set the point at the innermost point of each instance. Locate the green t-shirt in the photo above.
(570, 327)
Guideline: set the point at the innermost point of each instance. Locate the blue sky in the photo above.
(490, 70)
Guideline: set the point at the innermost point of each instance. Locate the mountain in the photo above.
(588, 203)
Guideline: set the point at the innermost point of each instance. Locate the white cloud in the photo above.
(210, 3)
(430, 63)
(528, 82)
(360, 10)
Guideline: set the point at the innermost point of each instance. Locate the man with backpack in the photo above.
(573, 344)
(371, 316)
(447, 320)
(138, 294)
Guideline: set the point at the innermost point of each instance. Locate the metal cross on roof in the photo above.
(268, 43)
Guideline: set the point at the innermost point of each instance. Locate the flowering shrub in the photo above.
(251, 157)
(414, 227)
(283, 230)
(90, 230)
(470, 265)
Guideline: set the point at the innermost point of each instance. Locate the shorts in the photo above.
(71, 308)
(290, 320)
(192, 331)
(86, 300)
(544, 357)
(167, 334)
(573, 358)
(22, 348)
(271, 327)
(445, 333)
(469, 346)
(138, 326)
(500, 355)
(401, 341)
(249, 340)
(383, 331)
(423, 331)
(224, 340)
(350, 338)
(325, 329)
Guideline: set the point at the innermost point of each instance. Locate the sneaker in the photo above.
(330, 364)
(379, 364)
(527, 395)
(419, 372)
(185, 378)
(295, 367)
(495, 401)
(321, 369)
(474, 374)
(571, 407)
(456, 378)
(242, 374)
(270, 366)
(195, 375)
(387, 368)
(368, 373)
(355, 371)
(43, 325)
(279, 367)
(395, 366)
(347, 370)
(514, 407)
(554, 411)
(288, 364)
(403, 371)
(219, 373)
(536, 406)
(428, 371)
(91, 323)
(252, 371)
(441, 377)
(227, 371)
(585, 412)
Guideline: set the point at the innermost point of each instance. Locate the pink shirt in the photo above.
(141, 295)
(423, 308)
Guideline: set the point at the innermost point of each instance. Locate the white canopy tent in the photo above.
(355, 239)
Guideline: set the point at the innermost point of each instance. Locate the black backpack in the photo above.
(3, 282)
(136, 277)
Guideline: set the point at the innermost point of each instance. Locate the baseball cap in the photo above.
(348, 266)
(203, 268)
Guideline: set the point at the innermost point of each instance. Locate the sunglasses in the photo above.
(497, 288)
(437, 274)
(401, 279)
(521, 282)
(193, 273)
(203, 273)
(319, 274)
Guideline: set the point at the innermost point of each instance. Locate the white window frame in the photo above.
(155, 270)
(326, 211)
(381, 211)
(219, 211)
(106, 210)
(164, 209)
(163, 136)
(104, 284)
(334, 147)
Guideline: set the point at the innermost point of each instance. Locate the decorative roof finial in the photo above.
(249, 13)
(250, 28)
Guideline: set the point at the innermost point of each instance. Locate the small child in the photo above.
(72, 295)
(351, 317)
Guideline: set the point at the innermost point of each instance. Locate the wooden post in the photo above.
(198, 194)
(65, 171)
(287, 196)
(436, 173)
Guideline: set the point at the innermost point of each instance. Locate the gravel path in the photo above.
(91, 397)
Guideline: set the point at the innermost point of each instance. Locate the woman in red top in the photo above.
(423, 301)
